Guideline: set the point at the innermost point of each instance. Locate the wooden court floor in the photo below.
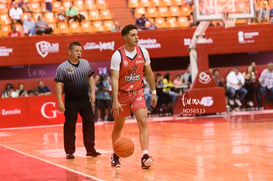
(235, 147)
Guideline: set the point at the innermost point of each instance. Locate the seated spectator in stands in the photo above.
(25, 6)
(266, 81)
(216, 77)
(257, 84)
(168, 85)
(141, 22)
(16, 13)
(235, 81)
(9, 92)
(116, 27)
(72, 14)
(147, 93)
(178, 84)
(21, 92)
(32, 93)
(159, 80)
(263, 13)
(271, 13)
(185, 77)
(61, 15)
(42, 26)
(42, 89)
(29, 26)
(48, 5)
(250, 82)
(14, 32)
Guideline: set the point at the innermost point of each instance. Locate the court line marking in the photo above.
(52, 163)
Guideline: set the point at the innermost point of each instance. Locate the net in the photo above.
(228, 20)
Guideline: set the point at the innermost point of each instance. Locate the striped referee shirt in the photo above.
(75, 77)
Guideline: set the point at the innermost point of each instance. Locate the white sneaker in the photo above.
(238, 102)
(231, 102)
(250, 103)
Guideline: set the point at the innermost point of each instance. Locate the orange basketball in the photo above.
(124, 147)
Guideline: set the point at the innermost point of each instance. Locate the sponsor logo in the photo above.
(139, 61)
(125, 63)
(133, 75)
(45, 47)
(204, 101)
(187, 41)
(99, 46)
(5, 52)
(69, 70)
(149, 43)
(204, 78)
(53, 113)
(247, 37)
(139, 98)
(15, 111)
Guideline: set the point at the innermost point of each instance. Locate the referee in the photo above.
(74, 77)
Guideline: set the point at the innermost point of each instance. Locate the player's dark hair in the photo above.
(127, 29)
(75, 43)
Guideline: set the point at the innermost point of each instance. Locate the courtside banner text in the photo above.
(160, 43)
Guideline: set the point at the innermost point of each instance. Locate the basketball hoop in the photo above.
(228, 20)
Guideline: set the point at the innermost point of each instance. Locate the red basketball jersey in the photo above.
(131, 70)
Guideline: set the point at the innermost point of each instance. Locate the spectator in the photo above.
(25, 6)
(271, 13)
(147, 93)
(48, 5)
(29, 26)
(235, 81)
(42, 89)
(185, 77)
(257, 84)
(263, 13)
(216, 77)
(31, 93)
(266, 81)
(72, 13)
(116, 27)
(178, 84)
(21, 92)
(159, 80)
(16, 13)
(61, 15)
(14, 32)
(42, 26)
(141, 22)
(250, 81)
(9, 92)
(167, 87)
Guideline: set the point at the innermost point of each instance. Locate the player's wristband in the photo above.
(154, 92)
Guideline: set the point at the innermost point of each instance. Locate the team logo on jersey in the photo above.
(139, 98)
(125, 63)
(133, 76)
(69, 70)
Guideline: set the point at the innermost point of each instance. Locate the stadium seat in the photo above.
(3, 8)
(160, 22)
(186, 10)
(4, 19)
(174, 11)
(86, 27)
(97, 26)
(49, 17)
(75, 27)
(5, 29)
(63, 28)
(105, 14)
(183, 21)
(151, 12)
(85, 14)
(35, 7)
(163, 11)
(177, 2)
(155, 2)
(80, 5)
(171, 22)
(53, 26)
(133, 3)
(144, 3)
(242, 6)
(108, 25)
(139, 12)
(66, 4)
(94, 15)
(165, 2)
(56, 6)
(90, 5)
(101, 4)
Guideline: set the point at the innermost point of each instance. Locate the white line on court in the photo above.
(52, 163)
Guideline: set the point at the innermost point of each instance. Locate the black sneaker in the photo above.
(115, 160)
(146, 161)
(70, 156)
(93, 154)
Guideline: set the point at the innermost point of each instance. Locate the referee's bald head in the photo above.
(75, 43)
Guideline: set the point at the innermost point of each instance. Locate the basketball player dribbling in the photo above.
(128, 64)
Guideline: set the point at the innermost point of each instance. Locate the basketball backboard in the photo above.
(207, 10)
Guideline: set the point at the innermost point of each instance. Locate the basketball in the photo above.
(124, 147)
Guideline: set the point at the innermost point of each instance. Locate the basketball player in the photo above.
(128, 64)
(74, 77)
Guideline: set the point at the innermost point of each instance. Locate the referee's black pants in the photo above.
(73, 106)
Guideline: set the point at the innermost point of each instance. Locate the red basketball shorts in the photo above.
(130, 101)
